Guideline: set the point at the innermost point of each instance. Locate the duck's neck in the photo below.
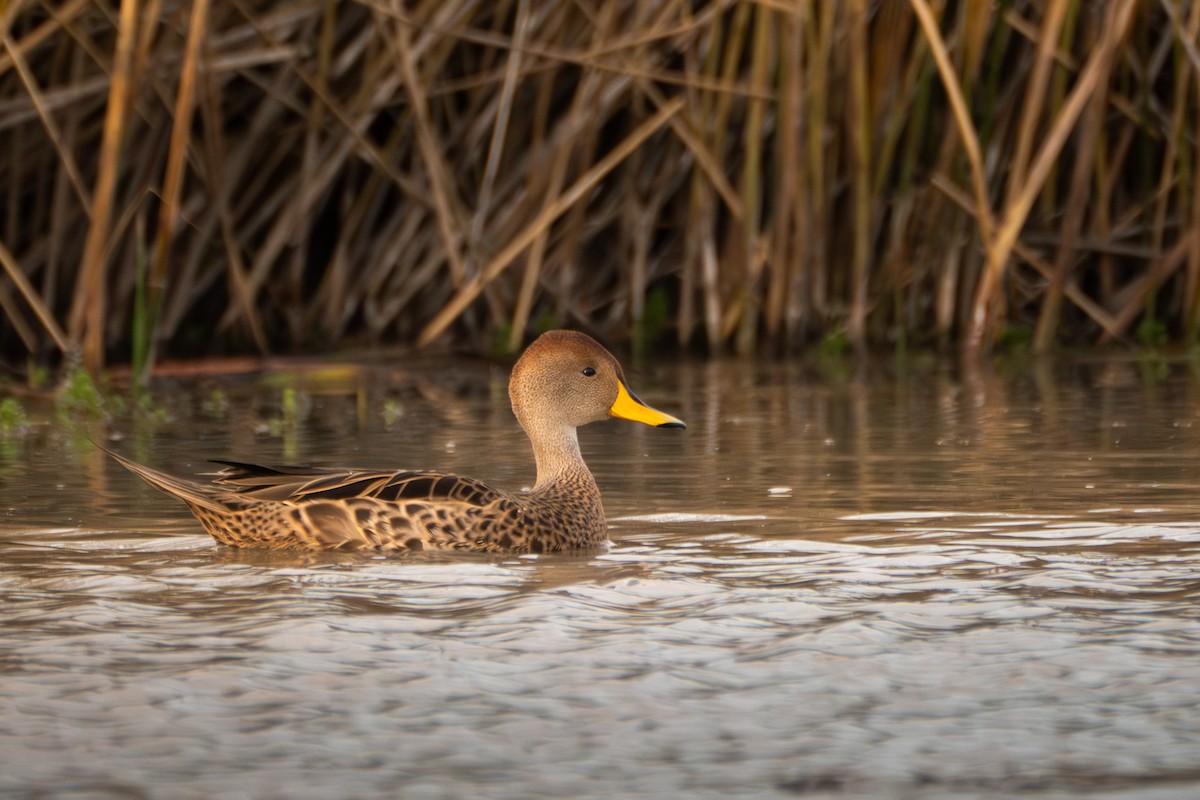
(558, 458)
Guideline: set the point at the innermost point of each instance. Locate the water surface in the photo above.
(868, 584)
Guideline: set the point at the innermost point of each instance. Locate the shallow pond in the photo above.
(869, 584)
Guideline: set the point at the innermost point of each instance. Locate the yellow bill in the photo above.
(628, 406)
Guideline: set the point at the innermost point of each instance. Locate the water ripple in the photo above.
(926, 611)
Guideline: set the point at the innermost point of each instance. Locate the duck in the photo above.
(562, 381)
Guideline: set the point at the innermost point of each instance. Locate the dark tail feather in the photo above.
(190, 492)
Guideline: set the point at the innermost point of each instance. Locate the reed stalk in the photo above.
(14, 272)
(181, 135)
(750, 174)
(90, 303)
(861, 123)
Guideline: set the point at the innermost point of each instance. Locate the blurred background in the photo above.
(185, 179)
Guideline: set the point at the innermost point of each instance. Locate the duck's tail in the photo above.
(190, 492)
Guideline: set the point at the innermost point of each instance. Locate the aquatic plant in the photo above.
(78, 396)
(731, 174)
(391, 412)
(13, 421)
(215, 404)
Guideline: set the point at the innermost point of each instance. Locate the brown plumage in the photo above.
(563, 380)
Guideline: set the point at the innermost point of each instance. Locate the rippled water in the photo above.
(922, 584)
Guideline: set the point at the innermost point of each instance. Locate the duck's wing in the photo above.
(300, 484)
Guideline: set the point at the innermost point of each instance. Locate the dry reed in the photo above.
(758, 174)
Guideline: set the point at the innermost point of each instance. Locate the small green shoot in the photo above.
(13, 421)
(1152, 333)
(215, 405)
(79, 396)
(392, 412)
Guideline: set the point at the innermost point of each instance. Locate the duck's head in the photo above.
(567, 378)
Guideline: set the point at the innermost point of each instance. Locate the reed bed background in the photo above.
(210, 177)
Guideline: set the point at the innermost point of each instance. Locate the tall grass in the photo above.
(735, 175)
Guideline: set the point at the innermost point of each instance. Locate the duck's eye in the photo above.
(589, 371)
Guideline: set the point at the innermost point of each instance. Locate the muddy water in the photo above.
(867, 584)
